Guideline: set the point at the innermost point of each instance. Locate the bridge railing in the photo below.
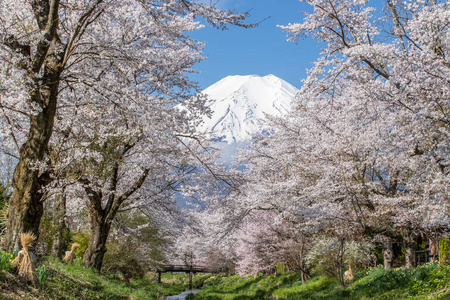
(183, 268)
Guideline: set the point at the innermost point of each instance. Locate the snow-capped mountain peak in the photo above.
(239, 104)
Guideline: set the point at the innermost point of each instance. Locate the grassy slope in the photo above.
(77, 282)
(425, 282)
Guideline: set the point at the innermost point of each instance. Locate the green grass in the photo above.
(429, 281)
(89, 284)
(62, 281)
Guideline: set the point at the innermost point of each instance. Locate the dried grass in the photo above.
(70, 256)
(349, 276)
(27, 239)
(3, 217)
(24, 261)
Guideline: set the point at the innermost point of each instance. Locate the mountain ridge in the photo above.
(240, 103)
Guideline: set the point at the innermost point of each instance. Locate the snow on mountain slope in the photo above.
(239, 105)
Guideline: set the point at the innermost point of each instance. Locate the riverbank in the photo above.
(78, 282)
(73, 282)
(426, 282)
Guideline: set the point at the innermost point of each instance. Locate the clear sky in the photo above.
(262, 50)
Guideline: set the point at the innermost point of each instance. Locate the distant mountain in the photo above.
(239, 105)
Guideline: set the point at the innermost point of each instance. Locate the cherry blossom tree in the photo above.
(56, 52)
(365, 150)
(138, 169)
(387, 89)
(263, 242)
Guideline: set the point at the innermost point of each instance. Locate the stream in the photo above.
(183, 295)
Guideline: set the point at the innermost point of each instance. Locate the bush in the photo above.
(444, 251)
(5, 260)
(81, 238)
(329, 254)
(121, 258)
(280, 268)
(134, 254)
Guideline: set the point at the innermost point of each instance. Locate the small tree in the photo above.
(218, 261)
(136, 245)
(331, 255)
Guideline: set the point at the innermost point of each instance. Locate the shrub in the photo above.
(121, 258)
(218, 261)
(134, 254)
(82, 239)
(42, 273)
(280, 268)
(444, 251)
(5, 260)
(329, 254)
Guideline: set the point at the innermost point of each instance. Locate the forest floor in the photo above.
(75, 282)
(429, 281)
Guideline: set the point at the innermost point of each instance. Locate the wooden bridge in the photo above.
(184, 269)
(191, 270)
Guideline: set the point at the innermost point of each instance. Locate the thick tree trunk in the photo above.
(100, 218)
(25, 206)
(43, 70)
(93, 257)
(388, 254)
(59, 215)
(410, 252)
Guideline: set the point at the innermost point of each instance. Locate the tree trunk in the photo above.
(93, 257)
(60, 213)
(388, 254)
(100, 218)
(340, 262)
(304, 277)
(26, 203)
(410, 252)
(340, 276)
(433, 243)
(25, 206)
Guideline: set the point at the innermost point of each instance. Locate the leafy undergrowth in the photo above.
(425, 282)
(78, 282)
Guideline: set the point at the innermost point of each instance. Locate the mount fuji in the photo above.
(239, 105)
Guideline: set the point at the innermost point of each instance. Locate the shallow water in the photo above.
(183, 295)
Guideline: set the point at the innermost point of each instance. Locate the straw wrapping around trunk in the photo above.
(349, 276)
(70, 256)
(24, 260)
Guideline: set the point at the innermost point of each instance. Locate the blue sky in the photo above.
(262, 50)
